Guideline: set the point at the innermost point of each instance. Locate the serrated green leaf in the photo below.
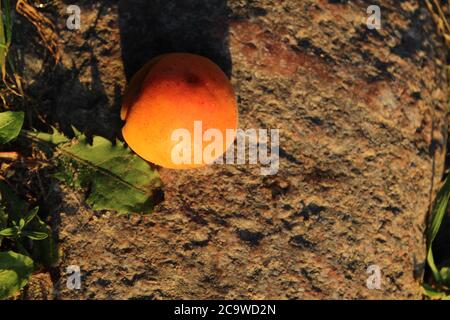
(117, 179)
(10, 125)
(55, 138)
(15, 269)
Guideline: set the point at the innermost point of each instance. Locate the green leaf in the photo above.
(10, 125)
(54, 138)
(4, 44)
(8, 232)
(21, 223)
(439, 210)
(432, 293)
(117, 179)
(45, 251)
(445, 275)
(15, 269)
(3, 218)
(30, 215)
(3, 215)
(35, 235)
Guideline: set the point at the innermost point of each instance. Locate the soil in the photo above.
(363, 131)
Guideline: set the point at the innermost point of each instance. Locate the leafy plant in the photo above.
(15, 268)
(22, 228)
(115, 178)
(19, 224)
(441, 276)
(24, 224)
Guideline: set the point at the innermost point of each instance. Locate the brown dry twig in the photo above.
(9, 155)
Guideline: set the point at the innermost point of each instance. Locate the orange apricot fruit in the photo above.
(179, 91)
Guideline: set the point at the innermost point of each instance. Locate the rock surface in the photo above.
(362, 131)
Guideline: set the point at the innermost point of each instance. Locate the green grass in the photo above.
(11, 81)
(5, 34)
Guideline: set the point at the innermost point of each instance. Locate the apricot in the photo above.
(173, 92)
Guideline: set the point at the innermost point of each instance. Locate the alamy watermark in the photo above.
(374, 19)
(73, 22)
(73, 277)
(258, 146)
(373, 282)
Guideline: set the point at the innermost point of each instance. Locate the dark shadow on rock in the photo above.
(57, 95)
(151, 28)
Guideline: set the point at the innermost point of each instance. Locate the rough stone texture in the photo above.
(361, 114)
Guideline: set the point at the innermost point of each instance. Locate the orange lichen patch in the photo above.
(172, 92)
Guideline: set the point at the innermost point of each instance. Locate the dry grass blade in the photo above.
(44, 26)
(438, 14)
(442, 15)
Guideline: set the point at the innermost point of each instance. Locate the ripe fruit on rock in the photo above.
(173, 92)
